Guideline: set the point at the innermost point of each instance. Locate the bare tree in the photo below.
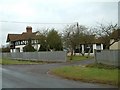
(69, 37)
(88, 38)
(104, 32)
(73, 36)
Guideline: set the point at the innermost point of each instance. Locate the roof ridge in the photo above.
(13, 34)
(22, 36)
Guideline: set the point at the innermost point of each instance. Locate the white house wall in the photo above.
(101, 46)
(115, 46)
(82, 48)
(37, 46)
(21, 47)
(12, 50)
(94, 48)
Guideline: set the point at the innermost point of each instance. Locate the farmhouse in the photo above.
(18, 41)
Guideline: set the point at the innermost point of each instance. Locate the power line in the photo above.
(31, 22)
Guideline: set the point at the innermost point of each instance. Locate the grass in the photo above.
(79, 58)
(102, 66)
(0, 61)
(12, 62)
(9, 61)
(88, 74)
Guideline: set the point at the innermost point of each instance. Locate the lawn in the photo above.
(78, 58)
(11, 62)
(88, 74)
(0, 61)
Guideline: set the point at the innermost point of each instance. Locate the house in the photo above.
(93, 44)
(115, 40)
(18, 41)
(115, 46)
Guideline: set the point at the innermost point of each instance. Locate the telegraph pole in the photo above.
(78, 26)
(78, 34)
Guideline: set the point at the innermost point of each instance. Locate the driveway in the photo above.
(36, 76)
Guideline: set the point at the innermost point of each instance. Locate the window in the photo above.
(78, 49)
(21, 42)
(87, 47)
(98, 46)
(16, 43)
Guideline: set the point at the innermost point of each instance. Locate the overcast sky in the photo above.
(86, 12)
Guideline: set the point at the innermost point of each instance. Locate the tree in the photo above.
(29, 47)
(70, 38)
(54, 40)
(104, 32)
(76, 35)
(5, 49)
(73, 36)
(43, 43)
(87, 38)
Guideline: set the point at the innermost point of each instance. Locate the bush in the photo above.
(42, 48)
(29, 48)
(5, 50)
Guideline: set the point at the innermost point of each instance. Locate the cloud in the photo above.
(17, 11)
(54, 11)
(51, 10)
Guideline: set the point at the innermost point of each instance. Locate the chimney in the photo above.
(29, 29)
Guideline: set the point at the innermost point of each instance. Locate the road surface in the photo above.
(36, 76)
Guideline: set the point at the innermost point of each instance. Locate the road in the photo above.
(36, 76)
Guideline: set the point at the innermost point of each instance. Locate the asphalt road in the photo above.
(36, 76)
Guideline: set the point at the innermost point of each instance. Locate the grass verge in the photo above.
(11, 62)
(0, 61)
(78, 58)
(102, 66)
(88, 74)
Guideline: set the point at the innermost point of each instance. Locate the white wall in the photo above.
(37, 46)
(115, 46)
(82, 48)
(94, 47)
(101, 46)
(92, 54)
(21, 47)
(12, 50)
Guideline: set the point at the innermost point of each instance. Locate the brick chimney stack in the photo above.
(29, 29)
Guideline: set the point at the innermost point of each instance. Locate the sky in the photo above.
(15, 15)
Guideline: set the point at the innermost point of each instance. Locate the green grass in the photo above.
(0, 61)
(88, 74)
(102, 66)
(12, 62)
(79, 58)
